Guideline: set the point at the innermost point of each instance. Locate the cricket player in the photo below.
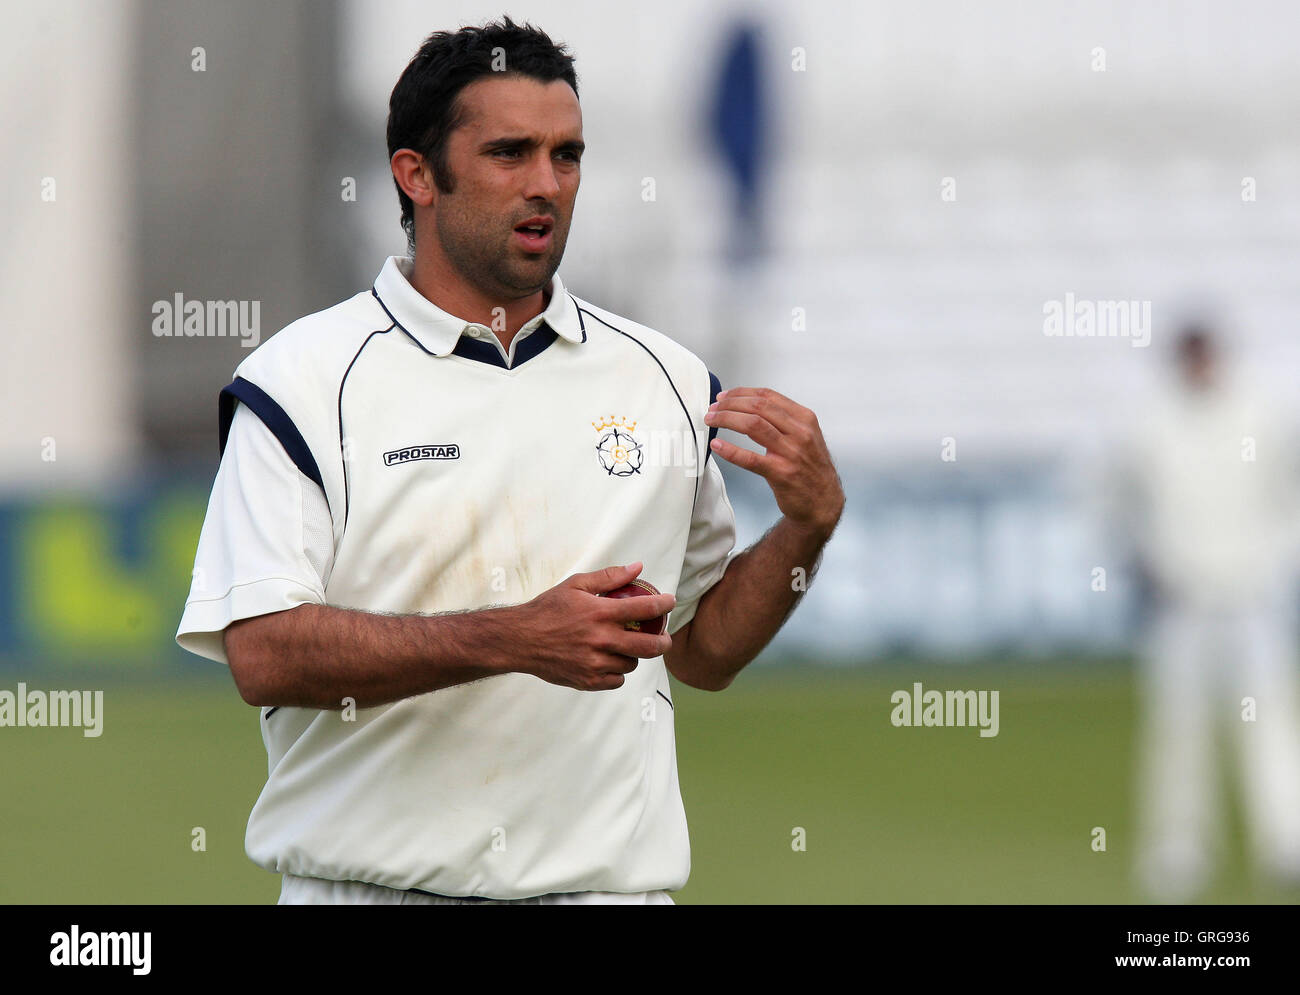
(1210, 490)
(423, 494)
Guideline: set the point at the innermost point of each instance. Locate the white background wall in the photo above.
(66, 268)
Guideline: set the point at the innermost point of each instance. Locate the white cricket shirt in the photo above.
(384, 455)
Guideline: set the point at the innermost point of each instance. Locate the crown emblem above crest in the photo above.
(611, 421)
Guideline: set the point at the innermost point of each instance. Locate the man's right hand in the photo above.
(577, 639)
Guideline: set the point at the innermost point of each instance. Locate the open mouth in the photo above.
(534, 234)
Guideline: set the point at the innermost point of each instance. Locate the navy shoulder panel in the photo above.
(258, 401)
(715, 385)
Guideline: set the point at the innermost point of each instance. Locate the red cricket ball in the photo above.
(636, 589)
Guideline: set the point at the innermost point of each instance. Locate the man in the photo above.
(1210, 497)
(423, 493)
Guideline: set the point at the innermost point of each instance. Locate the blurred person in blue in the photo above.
(1210, 489)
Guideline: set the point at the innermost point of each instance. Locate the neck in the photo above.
(436, 280)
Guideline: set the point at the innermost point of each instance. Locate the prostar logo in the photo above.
(443, 451)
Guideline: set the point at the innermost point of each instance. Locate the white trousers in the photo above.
(316, 891)
(1201, 667)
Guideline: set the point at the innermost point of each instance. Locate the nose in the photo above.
(540, 180)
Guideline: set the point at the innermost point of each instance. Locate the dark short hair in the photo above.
(424, 108)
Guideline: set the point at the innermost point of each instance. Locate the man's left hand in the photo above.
(796, 465)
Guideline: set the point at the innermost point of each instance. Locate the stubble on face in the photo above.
(479, 246)
(475, 223)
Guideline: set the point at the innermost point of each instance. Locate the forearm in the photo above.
(314, 656)
(741, 613)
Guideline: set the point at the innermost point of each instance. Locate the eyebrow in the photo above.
(574, 145)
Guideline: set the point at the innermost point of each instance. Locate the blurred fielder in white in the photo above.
(1211, 496)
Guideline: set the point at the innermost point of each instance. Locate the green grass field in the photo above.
(905, 815)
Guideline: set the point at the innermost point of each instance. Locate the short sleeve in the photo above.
(266, 544)
(709, 548)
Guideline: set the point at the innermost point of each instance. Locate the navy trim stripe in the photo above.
(398, 325)
(667, 699)
(581, 324)
(347, 499)
(484, 352)
(258, 401)
(690, 421)
(535, 343)
(715, 385)
(480, 352)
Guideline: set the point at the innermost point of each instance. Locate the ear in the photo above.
(414, 176)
